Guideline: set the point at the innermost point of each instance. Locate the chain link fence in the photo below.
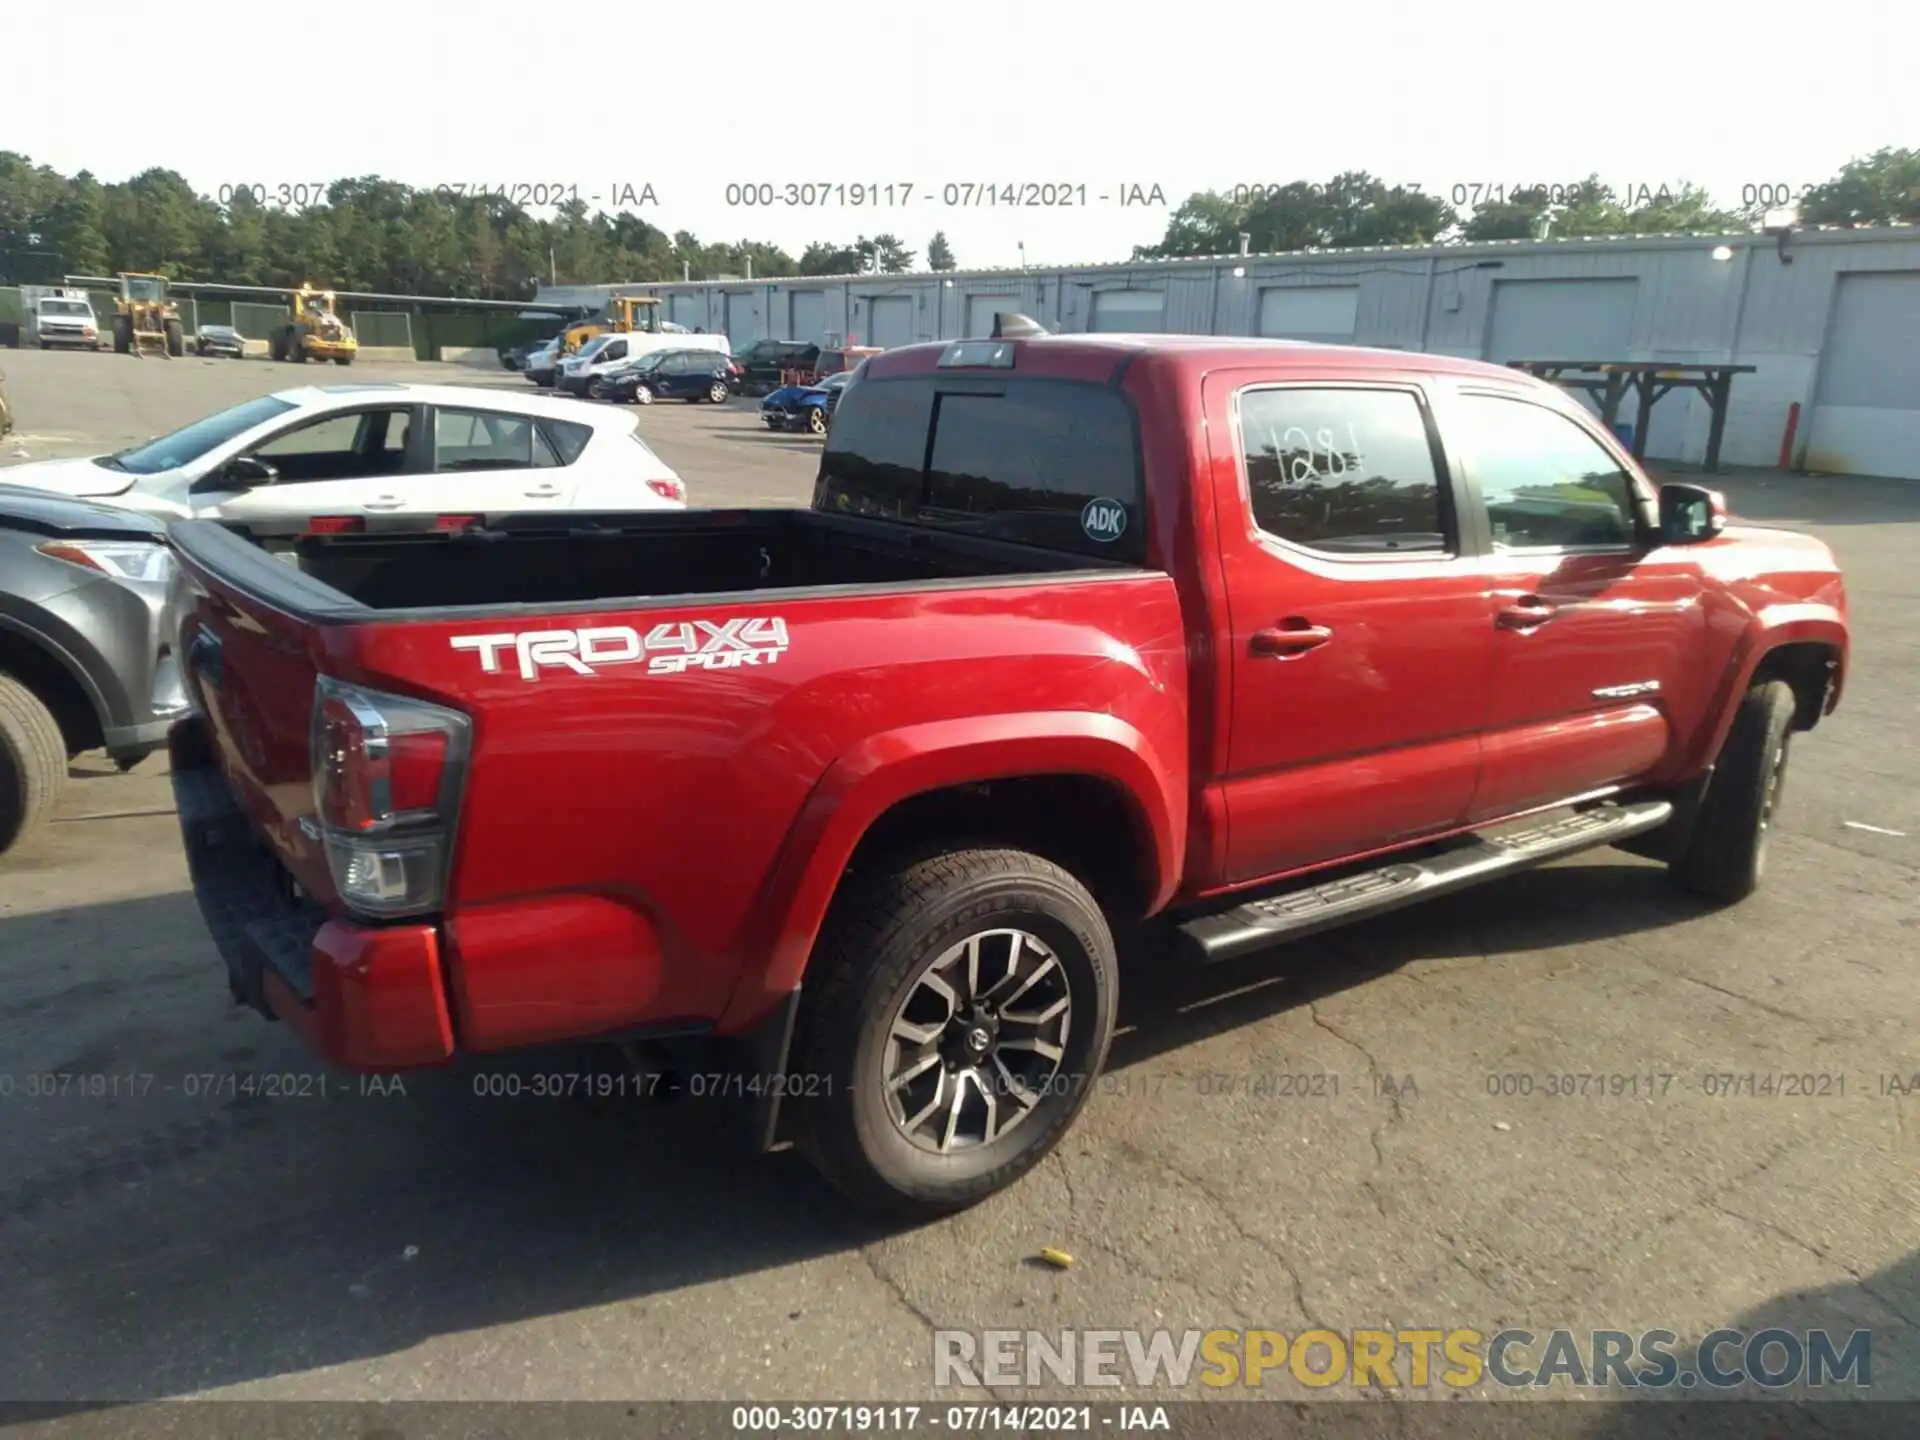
(258, 322)
(383, 329)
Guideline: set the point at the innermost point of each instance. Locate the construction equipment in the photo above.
(625, 314)
(315, 331)
(144, 317)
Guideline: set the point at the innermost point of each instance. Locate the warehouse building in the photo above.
(1829, 318)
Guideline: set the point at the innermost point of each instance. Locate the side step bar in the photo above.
(1228, 934)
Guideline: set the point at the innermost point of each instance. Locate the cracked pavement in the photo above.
(1355, 1131)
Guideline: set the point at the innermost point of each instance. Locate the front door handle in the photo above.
(1525, 613)
(1291, 639)
(385, 502)
(544, 492)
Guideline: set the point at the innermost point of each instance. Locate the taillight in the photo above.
(387, 774)
(336, 525)
(669, 490)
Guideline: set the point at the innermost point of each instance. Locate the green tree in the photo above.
(73, 227)
(1507, 219)
(940, 253)
(1351, 209)
(1881, 189)
(824, 259)
(892, 257)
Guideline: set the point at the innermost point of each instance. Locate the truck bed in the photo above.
(533, 561)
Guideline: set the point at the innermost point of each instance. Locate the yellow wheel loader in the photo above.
(145, 319)
(315, 331)
(625, 314)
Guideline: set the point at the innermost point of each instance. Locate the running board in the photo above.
(1228, 934)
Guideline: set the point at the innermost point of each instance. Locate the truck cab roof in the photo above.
(1084, 355)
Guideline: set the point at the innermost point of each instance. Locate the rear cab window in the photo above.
(1054, 463)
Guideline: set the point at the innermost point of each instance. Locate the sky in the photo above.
(934, 107)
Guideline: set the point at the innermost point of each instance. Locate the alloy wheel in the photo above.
(978, 1041)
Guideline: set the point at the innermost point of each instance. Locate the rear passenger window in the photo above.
(1348, 472)
(1546, 483)
(481, 440)
(568, 438)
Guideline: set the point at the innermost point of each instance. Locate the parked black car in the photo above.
(86, 658)
(689, 375)
(221, 340)
(765, 363)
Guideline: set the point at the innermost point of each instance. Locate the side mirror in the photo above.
(242, 472)
(1690, 514)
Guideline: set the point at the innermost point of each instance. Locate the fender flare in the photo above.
(1772, 628)
(896, 765)
(67, 661)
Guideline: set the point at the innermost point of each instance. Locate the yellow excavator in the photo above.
(625, 314)
(314, 332)
(143, 317)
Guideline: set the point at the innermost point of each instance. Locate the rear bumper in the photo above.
(376, 998)
(364, 997)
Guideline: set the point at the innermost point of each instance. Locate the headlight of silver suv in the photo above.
(137, 561)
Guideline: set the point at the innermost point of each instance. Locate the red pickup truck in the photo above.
(1223, 641)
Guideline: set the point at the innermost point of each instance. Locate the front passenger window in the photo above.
(1545, 482)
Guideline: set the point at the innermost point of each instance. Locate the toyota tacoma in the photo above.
(1083, 637)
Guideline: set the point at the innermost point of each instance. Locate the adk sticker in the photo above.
(1104, 520)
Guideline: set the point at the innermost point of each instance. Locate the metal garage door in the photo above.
(982, 308)
(1127, 312)
(889, 321)
(809, 316)
(1561, 320)
(1866, 407)
(1326, 313)
(687, 310)
(743, 319)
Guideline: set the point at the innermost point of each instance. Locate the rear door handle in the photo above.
(544, 492)
(1525, 613)
(385, 502)
(1286, 641)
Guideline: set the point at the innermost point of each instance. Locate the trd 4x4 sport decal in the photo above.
(668, 649)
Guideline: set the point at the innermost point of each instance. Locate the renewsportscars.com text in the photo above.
(1453, 1359)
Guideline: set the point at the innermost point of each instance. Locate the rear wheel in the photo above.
(33, 761)
(176, 340)
(717, 393)
(122, 334)
(817, 420)
(343, 359)
(1726, 853)
(964, 1004)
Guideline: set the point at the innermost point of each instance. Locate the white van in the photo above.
(608, 352)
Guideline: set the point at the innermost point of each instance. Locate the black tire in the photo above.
(122, 334)
(816, 421)
(883, 935)
(46, 345)
(343, 359)
(717, 393)
(33, 761)
(1726, 853)
(643, 395)
(176, 339)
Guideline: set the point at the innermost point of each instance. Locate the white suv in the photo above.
(378, 452)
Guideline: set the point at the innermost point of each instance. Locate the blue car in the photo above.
(806, 408)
